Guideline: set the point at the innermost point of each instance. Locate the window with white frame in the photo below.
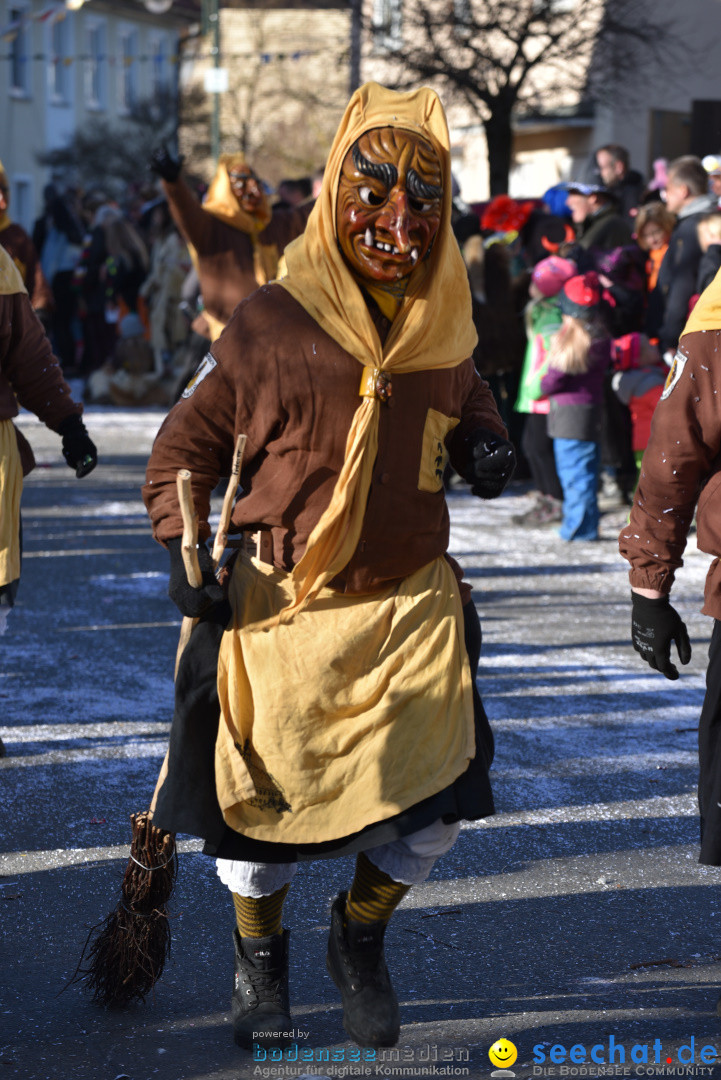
(159, 58)
(59, 58)
(96, 65)
(128, 75)
(387, 24)
(20, 61)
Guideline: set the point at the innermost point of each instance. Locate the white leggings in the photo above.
(408, 860)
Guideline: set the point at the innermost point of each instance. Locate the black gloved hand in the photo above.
(165, 165)
(190, 601)
(492, 463)
(78, 448)
(654, 625)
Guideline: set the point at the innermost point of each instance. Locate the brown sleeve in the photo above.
(684, 443)
(41, 296)
(286, 225)
(29, 366)
(195, 223)
(479, 411)
(240, 393)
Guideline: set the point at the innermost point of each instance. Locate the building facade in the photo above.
(62, 63)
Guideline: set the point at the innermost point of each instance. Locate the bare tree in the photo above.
(113, 154)
(505, 58)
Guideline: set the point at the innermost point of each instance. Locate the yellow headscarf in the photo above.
(11, 281)
(706, 314)
(433, 328)
(222, 203)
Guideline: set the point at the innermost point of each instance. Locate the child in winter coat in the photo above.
(638, 380)
(579, 355)
(543, 319)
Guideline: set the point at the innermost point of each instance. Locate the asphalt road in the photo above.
(576, 923)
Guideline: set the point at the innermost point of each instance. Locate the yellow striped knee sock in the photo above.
(373, 896)
(260, 916)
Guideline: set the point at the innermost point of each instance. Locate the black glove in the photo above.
(491, 465)
(165, 165)
(654, 625)
(78, 448)
(190, 601)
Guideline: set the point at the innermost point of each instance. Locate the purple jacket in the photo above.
(576, 399)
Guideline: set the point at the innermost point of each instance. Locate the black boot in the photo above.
(261, 1011)
(357, 966)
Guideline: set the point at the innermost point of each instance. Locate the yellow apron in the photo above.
(11, 486)
(357, 710)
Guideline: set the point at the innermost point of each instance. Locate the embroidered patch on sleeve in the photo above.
(206, 366)
(674, 374)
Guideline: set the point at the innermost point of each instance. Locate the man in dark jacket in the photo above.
(686, 196)
(612, 162)
(595, 217)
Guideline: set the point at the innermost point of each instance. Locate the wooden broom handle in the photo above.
(189, 541)
(221, 537)
(189, 547)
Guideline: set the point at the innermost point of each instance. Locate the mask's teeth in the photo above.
(368, 238)
(414, 255)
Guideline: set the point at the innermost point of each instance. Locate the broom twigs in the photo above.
(126, 953)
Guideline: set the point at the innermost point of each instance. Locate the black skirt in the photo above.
(187, 801)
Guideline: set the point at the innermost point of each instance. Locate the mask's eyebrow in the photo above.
(420, 189)
(383, 170)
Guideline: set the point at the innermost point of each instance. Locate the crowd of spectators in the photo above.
(114, 284)
(647, 251)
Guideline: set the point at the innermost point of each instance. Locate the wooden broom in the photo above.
(126, 953)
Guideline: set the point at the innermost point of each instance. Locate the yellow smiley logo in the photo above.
(503, 1053)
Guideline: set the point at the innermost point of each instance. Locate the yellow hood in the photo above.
(433, 328)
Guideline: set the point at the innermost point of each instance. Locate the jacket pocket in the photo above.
(434, 455)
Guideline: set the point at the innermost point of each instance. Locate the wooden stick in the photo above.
(189, 548)
(189, 543)
(221, 537)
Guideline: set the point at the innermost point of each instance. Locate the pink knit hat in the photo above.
(551, 274)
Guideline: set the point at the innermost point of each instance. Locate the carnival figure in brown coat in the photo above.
(326, 702)
(30, 376)
(681, 476)
(235, 237)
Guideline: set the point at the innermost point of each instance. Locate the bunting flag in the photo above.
(56, 10)
(10, 32)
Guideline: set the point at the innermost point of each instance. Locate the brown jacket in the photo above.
(276, 376)
(681, 471)
(225, 254)
(29, 373)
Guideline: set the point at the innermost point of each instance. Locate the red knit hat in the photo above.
(581, 296)
(550, 275)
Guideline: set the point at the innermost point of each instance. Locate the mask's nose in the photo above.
(397, 221)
